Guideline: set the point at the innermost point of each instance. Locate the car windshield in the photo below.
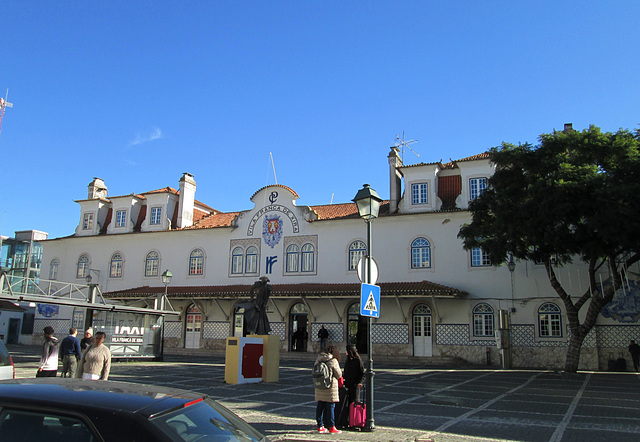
(205, 420)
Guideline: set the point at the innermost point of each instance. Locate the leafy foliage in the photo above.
(576, 194)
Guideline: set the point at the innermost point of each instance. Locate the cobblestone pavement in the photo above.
(412, 403)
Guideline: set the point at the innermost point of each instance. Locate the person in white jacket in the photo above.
(49, 359)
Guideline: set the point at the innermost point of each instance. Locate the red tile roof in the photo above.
(163, 190)
(214, 220)
(421, 288)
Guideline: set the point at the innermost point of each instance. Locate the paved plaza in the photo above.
(412, 403)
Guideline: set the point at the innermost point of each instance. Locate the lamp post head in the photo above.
(166, 277)
(88, 278)
(511, 265)
(368, 202)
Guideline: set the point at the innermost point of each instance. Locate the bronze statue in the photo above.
(255, 309)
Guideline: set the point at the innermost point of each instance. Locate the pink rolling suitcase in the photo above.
(357, 414)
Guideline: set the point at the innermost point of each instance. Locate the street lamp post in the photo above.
(166, 280)
(368, 203)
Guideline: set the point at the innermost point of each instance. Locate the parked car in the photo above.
(7, 370)
(57, 409)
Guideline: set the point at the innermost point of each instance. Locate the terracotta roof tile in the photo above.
(214, 220)
(163, 190)
(421, 288)
(344, 211)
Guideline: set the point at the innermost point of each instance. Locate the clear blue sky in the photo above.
(138, 92)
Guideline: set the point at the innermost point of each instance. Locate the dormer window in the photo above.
(419, 193)
(477, 186)
(121, 218)
(156, 215)
(87, 221)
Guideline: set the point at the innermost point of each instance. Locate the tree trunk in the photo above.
(573, 352)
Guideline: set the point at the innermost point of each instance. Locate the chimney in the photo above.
(187, 200)
(395, 179)
(568, 127)
(97, 189)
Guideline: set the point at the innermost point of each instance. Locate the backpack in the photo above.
(322, 376)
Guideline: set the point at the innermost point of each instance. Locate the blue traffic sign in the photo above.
(370, 300)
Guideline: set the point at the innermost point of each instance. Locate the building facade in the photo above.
(437, 299)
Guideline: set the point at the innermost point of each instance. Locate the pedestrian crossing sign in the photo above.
(370, 300)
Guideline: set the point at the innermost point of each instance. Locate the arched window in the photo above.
(251, 261)
(83, 266)
(308, 258)
(293, 258)
(549, 320)
(357, 250)
(483, 320)
(116, 266)
(236, 260)
(420, 253)
(53, 269)
(152, 263)
(196, 262)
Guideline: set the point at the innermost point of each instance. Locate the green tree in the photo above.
(576, 195)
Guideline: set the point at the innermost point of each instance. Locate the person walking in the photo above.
(87, 341)
(327, 397)
(634, 349)
(71, 354)
(49, 358)
(96, 362)
(323, 335)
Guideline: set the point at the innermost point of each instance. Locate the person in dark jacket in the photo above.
(353, 373)
(71, 354)
(88, 339)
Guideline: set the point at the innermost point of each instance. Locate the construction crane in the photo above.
(4, 104)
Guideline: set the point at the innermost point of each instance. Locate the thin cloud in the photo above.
(155, 134)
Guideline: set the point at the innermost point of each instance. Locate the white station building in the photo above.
(438, 302)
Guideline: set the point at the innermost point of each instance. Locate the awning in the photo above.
(398, 289)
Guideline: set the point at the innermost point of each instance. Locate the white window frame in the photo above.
(477, 186)
(419, 193)
(357, 249)
(550, 321)
(308, 263)
(53, 269)
(251, 260)
(82, 269)
(479, 258)
(237, 258)
(87, 221)
(196, 262)
(155, 216)
(116, 265)
(121, 218)
(418, 252)
(483, 321)
(293, 258)
(151, 264)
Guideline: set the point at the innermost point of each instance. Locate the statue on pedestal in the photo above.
(255, 309)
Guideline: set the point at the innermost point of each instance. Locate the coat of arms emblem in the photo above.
(272, 230)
